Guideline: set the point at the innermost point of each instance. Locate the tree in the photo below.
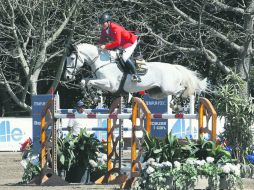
(219, 32)
(31, 35)
(211, 36)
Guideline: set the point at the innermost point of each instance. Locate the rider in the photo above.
(121, 38)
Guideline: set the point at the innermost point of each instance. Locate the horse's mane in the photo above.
(86, 46)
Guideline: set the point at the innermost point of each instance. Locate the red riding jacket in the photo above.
(119, 35)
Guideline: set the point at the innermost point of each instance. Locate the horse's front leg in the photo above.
(103, 84)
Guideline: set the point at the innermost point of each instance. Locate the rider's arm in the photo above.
(103, 37)
(117, 38)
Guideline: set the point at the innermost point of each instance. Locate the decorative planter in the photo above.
(190, 185)
(213, 182)
(225, 183)
(78, 174)
(202, 182)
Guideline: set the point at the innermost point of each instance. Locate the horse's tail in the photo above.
(192, 82)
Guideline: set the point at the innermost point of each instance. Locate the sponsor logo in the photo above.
(8, 134)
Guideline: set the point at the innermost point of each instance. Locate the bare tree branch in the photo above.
(216, 33)
(227, 7)
(60, 29)
(12, 94)
(20, 52)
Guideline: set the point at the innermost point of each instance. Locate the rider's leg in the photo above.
(131, 66)
(129, 63)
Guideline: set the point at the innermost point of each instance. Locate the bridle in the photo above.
(90, 62)
(84, 62)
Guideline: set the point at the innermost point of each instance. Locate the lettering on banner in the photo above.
(37, 123)
(39, 103)
(155, 103)
(8, 134)
(159, 128)
(159, 123)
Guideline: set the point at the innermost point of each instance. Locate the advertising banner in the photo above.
(38, 103)
(159, 127)
(14, 132)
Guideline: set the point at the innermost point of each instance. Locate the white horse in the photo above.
(161, 79)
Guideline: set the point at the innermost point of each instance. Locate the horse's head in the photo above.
(74, 61)
(84, 54)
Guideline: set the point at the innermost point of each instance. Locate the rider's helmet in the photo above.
(80, 103)
(105, 18)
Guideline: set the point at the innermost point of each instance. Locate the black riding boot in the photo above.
(130, 65)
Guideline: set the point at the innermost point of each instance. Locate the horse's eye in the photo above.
(72, 58)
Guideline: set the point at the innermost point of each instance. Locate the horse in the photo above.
(160, 80)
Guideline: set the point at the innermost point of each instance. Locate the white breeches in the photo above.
(129, 50)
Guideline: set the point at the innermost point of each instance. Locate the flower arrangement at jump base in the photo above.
(81, 157)
(171, 164)
(30, 161)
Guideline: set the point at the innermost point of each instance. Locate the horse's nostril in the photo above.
(67, 77)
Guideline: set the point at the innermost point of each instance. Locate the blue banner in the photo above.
(38, 103)
(159, 127)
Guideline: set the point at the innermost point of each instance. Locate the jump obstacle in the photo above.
(116, 113)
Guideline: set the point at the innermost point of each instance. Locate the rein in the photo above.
(92, 61)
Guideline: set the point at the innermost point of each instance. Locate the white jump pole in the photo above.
(192, 103)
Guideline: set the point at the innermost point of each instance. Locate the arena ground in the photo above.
(11, 173)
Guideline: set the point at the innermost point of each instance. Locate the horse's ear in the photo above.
(71, 48)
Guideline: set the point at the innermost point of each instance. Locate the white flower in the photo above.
(156, 165)
(166, 164)
(104, 157)
(150, 170)
(235, 169)
(150, 161)
(93, 163)
(210, 159)
(226, 169)
(190, 160)
(177, 164)
(162, 179)
(200, 162)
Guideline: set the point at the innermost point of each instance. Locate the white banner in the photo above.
(13, 132)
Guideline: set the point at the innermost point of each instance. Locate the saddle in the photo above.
(139, 62)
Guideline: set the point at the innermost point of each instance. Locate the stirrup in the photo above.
(135, 78)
